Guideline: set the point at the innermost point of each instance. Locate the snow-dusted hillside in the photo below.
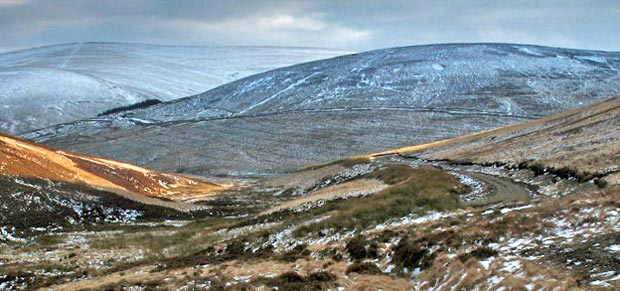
(33, 206)
(348, 105)
(513, 80)
(49, 85)
(357, 223)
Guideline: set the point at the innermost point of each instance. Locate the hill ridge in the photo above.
(67, 82)
(21, 158)
(295, 124)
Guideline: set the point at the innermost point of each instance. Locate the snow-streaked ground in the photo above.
(55, 84)
(354, 104)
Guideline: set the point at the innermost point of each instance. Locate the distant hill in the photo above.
(43, 86)
(349, 105)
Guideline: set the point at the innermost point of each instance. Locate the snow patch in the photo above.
(529, 51)
(412, 219)
(511, 266)
(595, 59)
(507, 209)
(8, 234)
(614, 248)
(21, 182)
(477, 188)
(487, 263)
(438, 67)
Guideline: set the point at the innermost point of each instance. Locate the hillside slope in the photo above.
(389, 221)
(19, 158)
(43, 86)
(585, 139)
(32, 206)
(356, 104)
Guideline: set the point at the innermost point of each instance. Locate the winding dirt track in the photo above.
(502, 189)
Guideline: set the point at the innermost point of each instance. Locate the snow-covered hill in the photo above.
(49, 85)
(348, 105)
(512, 80)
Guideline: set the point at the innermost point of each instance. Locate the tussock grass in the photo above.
(426, 188)
(353, 161)
(359, 248)
(300, 251)
(363, 268)
(45, 241)
(164, 241)
(392, 174)
(293, 281)
(409, 254)
(480, 253)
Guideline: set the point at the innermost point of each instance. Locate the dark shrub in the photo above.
(363, 268)
(142, 104)
(601, 183)
(373, 250)
(356, 247)
(566, 173)
(536, 167)
(293, 281)
(299, 251)
(480, 253)
(235, 248)
(290, 277)
(408, 254)
(321, 277)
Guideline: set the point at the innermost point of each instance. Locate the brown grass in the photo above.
(357, 187)
(26, 159)
(427, 188)
(585, 139)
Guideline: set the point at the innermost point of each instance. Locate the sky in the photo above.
(352, 25)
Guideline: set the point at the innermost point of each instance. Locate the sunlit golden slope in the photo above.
(22, 158)
(586, 138)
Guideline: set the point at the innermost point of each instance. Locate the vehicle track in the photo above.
(78, 46)
(502, 190)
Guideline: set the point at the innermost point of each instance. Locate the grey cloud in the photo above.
(359, 25)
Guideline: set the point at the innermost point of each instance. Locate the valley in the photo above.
(463, 166)
(314, 112)
(494, 237)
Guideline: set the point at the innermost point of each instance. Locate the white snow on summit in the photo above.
(44, 86)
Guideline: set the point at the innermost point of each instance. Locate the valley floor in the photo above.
(394, 222)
